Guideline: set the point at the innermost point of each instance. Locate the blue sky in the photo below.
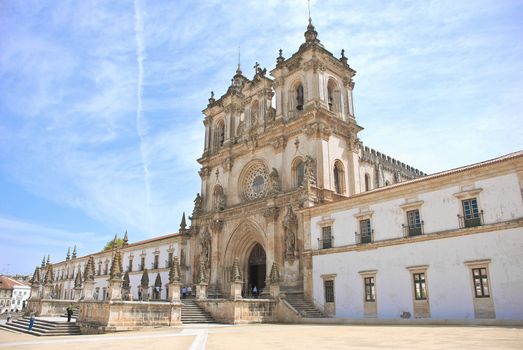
(100, 101)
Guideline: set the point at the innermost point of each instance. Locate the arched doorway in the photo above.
(256, 269)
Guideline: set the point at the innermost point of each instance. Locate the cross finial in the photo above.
(256, 67)
(309, 6)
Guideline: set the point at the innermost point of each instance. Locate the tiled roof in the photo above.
(9, 283)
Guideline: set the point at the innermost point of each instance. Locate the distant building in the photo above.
(13, 294)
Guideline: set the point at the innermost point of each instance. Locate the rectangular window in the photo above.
(329, 291)
(156, 259)
(142, 265)
(170, 261)
(365, 231)
(481, 287)
(414, 222)
(471, 213)
(130, 268)
(106, 268)
(370, 292)
(99, 269)
(326, 237)
(420, 291)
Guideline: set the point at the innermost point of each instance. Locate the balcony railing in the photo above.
(326, 243)
(365, 237)
(471, 221)
(413, 230)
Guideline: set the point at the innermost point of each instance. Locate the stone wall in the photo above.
(48, 307)
(241, 311)
(113, 316)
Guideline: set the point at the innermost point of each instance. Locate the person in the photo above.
(31, 322)
(8, 316)
(69, 313)
(184, 292)
(189, 291)
(254, 291)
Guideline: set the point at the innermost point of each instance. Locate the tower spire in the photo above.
(239, 70)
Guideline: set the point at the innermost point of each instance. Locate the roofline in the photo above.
(501, 159)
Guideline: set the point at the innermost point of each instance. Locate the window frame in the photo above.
(369, 283)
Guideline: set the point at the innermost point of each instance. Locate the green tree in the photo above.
(110, 244)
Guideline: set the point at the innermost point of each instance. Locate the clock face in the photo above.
(256, 182)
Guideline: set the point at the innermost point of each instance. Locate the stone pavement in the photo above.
(281, 337)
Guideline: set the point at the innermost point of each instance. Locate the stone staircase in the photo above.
(306, 309)
(42, 327)
(193, 313)
(76, 312)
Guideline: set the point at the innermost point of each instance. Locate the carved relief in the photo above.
(279, 144)
(217, 225)
(274, 182)
(205, 248)
(197, 211)
(204, 172)
(309, 177)
(271, 214)
(290, 223)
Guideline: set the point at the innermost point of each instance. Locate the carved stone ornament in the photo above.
(205, 248)
(197, 211)
(174, 271)
(241, 129)
(202, 276)
(290, 223)
(279, 143)
(309, 178)
(204, 172)
(235, 271)
(274, 277)
(228, 164)
(274, 182)
(271, 214)
(217, 225)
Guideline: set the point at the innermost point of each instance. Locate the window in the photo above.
(99, 268)
(130, 268)
(326, 237)
(370, 292)
(414, 223)
(471, 214)
(156, 260)
(339, 177)
(106, 268)
(365, 231)
(367, 182)
(219, 134)
(142, 265)
(420, 291)
(299, 97)
(481, 287)
(298, 170)
(329, 291)
(333, 96)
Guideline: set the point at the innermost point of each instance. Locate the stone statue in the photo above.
(205, 248)
(274, 181)
(309, 178)
(197, 211)
(290, 223)
(241, 129)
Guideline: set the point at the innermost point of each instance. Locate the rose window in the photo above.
(256, 182)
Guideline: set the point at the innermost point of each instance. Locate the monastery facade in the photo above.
(294, 204)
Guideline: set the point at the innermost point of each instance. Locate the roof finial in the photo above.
(309, 5)
(238, 70)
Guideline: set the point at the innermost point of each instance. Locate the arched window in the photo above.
(339, 177)
(219, 134)
(299, 97)
(298, 172)
(367, 182)
(333, 94)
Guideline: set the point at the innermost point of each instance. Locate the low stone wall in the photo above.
(240, 311)
(113, 316)
(49, 307)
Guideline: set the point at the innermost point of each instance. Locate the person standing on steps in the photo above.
(31, 322)
(69, 313)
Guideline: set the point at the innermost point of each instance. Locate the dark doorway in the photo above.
(257, 269)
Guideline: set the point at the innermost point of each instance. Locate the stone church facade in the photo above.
(293, 203)
(262, 163)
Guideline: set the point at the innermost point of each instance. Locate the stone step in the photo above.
(193, 313)
(42, 327)
(306, 309)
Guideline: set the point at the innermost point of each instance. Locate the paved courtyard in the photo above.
(281, 337)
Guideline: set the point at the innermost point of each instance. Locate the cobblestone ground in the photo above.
(250, 337)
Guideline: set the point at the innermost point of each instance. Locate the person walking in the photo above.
(254, 291)
(184, 292)
(189, 292)
(31, 322)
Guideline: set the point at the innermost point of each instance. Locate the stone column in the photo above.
(174, 281)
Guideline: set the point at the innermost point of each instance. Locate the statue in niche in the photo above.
(274, 181)
(197, 211)
(219, 199)
(241, 129)
(205, 248)
(290, 224)
(309, 178)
